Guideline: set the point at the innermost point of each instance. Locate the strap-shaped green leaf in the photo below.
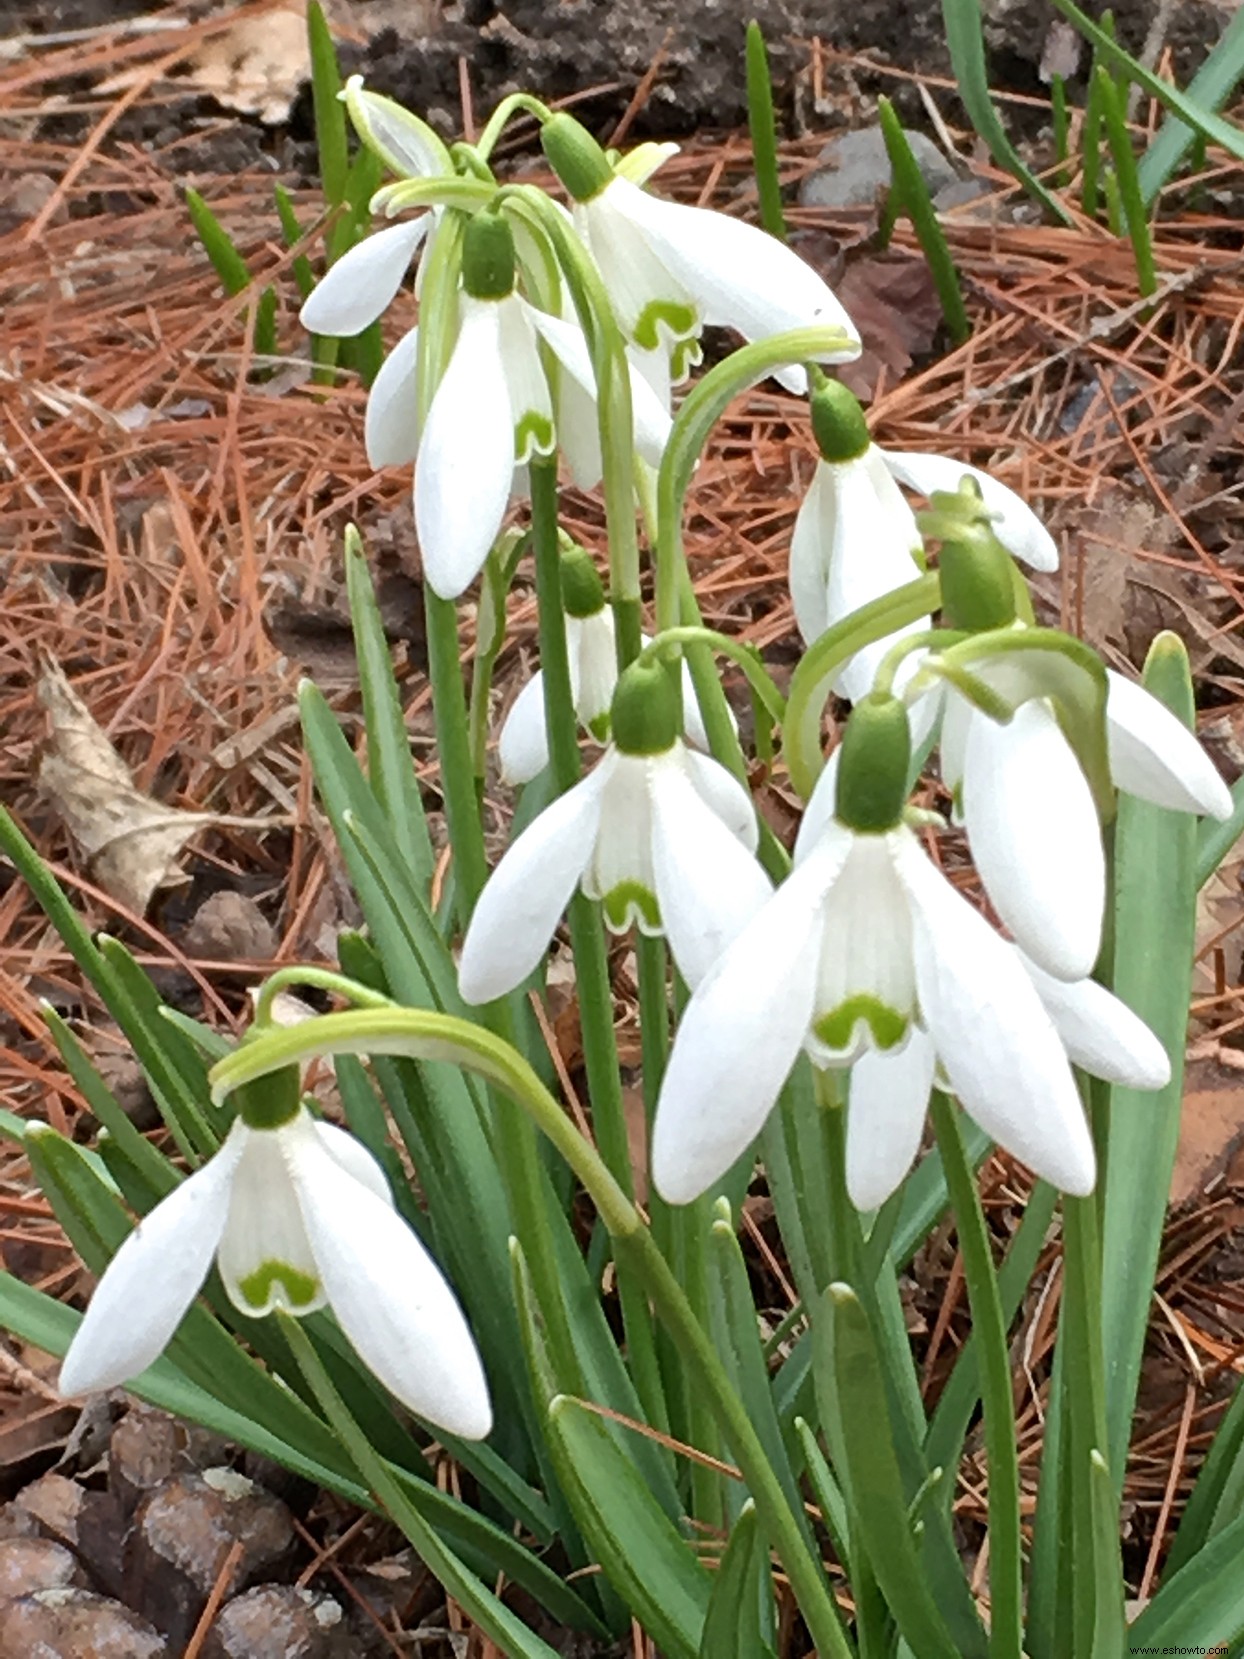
(1209, 89)
(643, 1553)
(736, 1626)
(1155, 928)
(1201, 1608)
(966, 43)
(849, 1387)
(390, 767)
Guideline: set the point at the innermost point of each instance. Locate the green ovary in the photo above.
(276, 1283)
(629, 899)
(887, 1025)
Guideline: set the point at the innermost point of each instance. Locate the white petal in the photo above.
(1153, 754)
(354, 1158)
(527, 892)
(740, 1035)
(709, 886)
(742, 277)
(523, 747)
(650, 416)
(593, 666)
(726, 795)
(466, 456)
(619, 872)
(869, 556)
(1101, 1033)
(886, 1105)
(810, 545)
(867, 955)
(531, 401)
(994, 1039)
(578, 432)
(389, 1296)
(364, 282)
(264, 1258)
(694, 729)
(646, 295)
(390, 430)
(409, 146)
(957, 721)
(153, 1278)
(1016, 526)
(1036, 838)
(819, 812)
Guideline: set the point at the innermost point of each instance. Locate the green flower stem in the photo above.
(323, 979)
(989, 1327)
(813, 679)
(516, 102)
(702, 408)
(806, 1575)
(1097, 1573)
(613, 403)
(421, 1034)
(587, 935)
(767, 693)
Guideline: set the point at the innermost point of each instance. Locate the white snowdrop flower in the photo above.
(662, 836)
(1031, 818)
(298, 1216)
(855, 537)
(591, 648)
(867, 954)
(493, 410)
(671, 269)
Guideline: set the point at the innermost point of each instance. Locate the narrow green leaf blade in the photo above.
(642, 1552)
(732, 1628)
(1155, 927)
(1209, 89)
(1202, 120)
(218, 245)
(966, 43)
(1200, 1609)
(849, 1386)
(330, 115)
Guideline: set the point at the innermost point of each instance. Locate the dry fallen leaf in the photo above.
(129, 842)
(1211, 1127)
(892, 301)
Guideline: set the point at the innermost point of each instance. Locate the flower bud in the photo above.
(838, 423)
(873, 764)
(575, 157)
(583, 593)
(488, 257)
(270, 1101)
(977, 572)
(645, 710)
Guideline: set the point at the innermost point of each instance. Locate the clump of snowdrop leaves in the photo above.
(663, 836)
(867, 957)
(298, 1216)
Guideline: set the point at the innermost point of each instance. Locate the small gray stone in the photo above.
(75, 1624)
(279, 1621)
(29, 1564)
(960, 193)
(854, 168)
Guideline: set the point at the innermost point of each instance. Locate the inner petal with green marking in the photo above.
(837, 1028)
(277, 1284)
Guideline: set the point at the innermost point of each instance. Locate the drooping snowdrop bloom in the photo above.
(493, 410)
(671, 269)
(297, 1216)
(1031, 818)
(856, 538)
(591, 647)
(863, 951)
(662, 836)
